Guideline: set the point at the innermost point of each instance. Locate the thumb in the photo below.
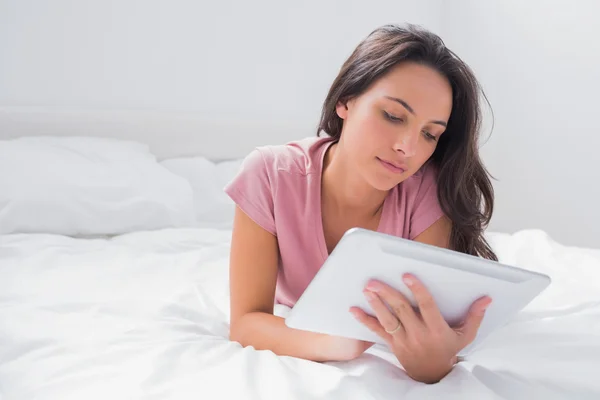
(468, 330)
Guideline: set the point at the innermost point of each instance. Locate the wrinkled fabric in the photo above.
(145, 316)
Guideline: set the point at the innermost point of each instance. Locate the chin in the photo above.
(383, 179)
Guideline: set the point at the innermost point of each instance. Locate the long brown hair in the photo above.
(465, 192)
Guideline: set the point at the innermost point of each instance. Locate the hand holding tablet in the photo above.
(420, 338)
(453, 287)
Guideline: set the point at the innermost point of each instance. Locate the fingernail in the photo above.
(373, 287)
(354, 314)
(486, 305)
(408, 280)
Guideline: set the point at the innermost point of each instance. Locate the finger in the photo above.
(370, 322)
(429, 310)
(386, 318)
(468, 330)
(397, 302)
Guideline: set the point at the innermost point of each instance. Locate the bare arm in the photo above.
(438, 234)
(253, 277)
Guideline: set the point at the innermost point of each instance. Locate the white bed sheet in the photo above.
(145, 316)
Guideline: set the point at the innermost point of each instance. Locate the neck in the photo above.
(345, 189)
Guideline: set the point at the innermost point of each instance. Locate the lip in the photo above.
(393, 167)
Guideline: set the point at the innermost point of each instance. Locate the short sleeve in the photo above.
(426, 207)
(252, 190)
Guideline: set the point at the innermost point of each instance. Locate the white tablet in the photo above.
(454, 279)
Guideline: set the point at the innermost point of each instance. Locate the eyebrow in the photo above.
(410, 109)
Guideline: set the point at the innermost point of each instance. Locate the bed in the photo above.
(129, 299)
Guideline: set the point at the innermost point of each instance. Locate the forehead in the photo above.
(426, 90)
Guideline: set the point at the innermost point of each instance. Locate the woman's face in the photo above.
(393, 128)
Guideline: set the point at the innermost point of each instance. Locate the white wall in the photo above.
(539, 62)
(227, 59)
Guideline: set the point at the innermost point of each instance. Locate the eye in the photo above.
(429, 136)
(391, 117)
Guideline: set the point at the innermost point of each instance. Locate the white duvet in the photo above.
(145, 316)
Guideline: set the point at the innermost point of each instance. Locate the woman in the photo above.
(400, 157)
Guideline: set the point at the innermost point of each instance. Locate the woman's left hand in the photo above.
(423, 342)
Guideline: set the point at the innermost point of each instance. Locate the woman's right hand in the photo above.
(253, 278)
(337, 348)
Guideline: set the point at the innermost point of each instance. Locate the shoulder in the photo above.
(299, 156)
(266, 170)
(267, 166)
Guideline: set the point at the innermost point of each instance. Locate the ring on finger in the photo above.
(396, 329)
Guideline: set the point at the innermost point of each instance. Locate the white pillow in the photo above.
(80, 186)
(214, 209)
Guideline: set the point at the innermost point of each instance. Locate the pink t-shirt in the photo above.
(279, 187)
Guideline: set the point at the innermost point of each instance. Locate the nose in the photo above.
(406, 142)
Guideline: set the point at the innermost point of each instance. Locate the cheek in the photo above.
(381, 129)
(372, 132)
(363, 134)
(423, 154)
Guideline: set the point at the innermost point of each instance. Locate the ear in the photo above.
(341, 109)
